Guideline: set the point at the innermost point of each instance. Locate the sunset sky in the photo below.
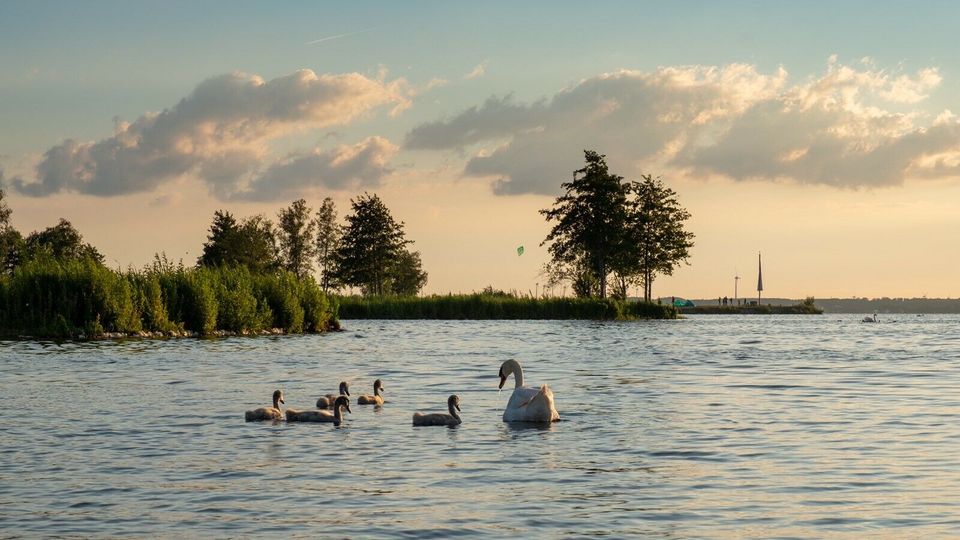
(818, 134)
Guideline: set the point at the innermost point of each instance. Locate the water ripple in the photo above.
(713, 426)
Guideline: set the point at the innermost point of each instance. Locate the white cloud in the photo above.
(842, 128)
(220, 131)
(479, 71)
(362, 165)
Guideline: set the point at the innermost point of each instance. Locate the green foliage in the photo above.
(497, 306)
(47, 297)
(589, 216)
(406, 276)
(62, 242)
(250, 243)
(607, 227)
(329, 234)
(5, 210)
(655, 241)
(297, 242)
(372, 252)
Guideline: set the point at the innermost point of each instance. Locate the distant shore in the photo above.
(761, 309)
(861, 305)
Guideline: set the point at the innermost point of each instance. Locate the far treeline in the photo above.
(867, 306)
(257, 276)
(609, 235)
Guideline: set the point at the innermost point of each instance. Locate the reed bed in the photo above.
(483, 306)
(82, 298)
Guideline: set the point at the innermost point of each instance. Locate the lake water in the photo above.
(713, 426)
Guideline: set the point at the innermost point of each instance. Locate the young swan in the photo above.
(341, 403)
(376, 398)
(326, 402)
(440, 419)
(267, 413)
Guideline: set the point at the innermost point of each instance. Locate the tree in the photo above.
(62, 241)
(5, 211)
(655, 241)
(251, 243)
(590, 217)
(328, 240)
(11, 241)
(371, 245)
(297, 238)
(221, 245)
(407, 276)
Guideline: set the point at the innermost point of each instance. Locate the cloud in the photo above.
(479, 71)
(844, 128)
(221, 132)
(362, 165)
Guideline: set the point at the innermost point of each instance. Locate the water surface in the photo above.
(713, 426)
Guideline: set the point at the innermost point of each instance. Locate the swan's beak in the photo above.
(503, 379)
(282, 401)
(348, 409)
(457, 405)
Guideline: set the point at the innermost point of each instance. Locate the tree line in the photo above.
(610, 234)
(369, 251)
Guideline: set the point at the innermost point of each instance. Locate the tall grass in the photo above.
(486, 306)
(52, 298)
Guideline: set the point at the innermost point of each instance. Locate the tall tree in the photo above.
(5, 211)
(372, 243)
(251, 243)
(297, 237)
(655, 240)
(589, 217)
(328, 240)
(407, 276)
(221, 245)
(62, 241)
(11, 241)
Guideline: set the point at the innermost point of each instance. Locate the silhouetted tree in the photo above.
(590, 217)
(371, 246)
(62, 241)
(328, 240)
(11, 241)
(297, 243)
(407, 276)
(5, 211)
(655, 241)
(222, 242)
(251, 243)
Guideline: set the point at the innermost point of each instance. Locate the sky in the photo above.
(820, 134)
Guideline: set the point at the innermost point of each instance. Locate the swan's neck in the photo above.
(518, 376)
(453, 412)
(338, 414)
(376, 390)
(276, 403)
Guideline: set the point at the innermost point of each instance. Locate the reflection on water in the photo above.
(714, 426)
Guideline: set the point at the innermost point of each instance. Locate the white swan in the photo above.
(526, 404)
(870, 319)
